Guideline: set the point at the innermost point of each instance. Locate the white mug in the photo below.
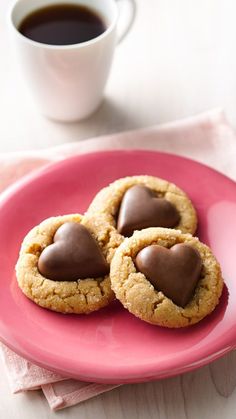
(67, 81)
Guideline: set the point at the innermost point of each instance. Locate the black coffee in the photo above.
(62, 24)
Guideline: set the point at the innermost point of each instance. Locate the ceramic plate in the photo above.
(112, 345)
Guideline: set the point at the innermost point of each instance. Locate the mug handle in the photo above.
(127, 12)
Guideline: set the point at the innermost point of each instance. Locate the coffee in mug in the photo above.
(62, 24)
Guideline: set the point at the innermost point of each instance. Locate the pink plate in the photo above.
(113, 346)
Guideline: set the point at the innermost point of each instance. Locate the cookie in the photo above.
(64, 263)
(138, 202)
(166, 278)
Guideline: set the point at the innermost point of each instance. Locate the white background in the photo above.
(179, 59)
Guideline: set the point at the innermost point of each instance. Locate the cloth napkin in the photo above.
(207, 138)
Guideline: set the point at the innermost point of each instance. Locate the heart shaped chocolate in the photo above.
(73, 255)
(173, 271)
(140, 208)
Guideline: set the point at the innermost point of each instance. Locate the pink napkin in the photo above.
(207, 138)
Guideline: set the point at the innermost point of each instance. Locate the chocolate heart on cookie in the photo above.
(141, 208)
(173, 271)
(74, 254)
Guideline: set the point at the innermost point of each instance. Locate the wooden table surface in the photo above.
(178, 60)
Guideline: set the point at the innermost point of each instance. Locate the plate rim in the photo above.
(53, 165)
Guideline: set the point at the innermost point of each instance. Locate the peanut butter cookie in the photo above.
(138, 202)
(166, 277)
(64, 263)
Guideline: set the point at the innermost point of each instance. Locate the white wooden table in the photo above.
(179, 59)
